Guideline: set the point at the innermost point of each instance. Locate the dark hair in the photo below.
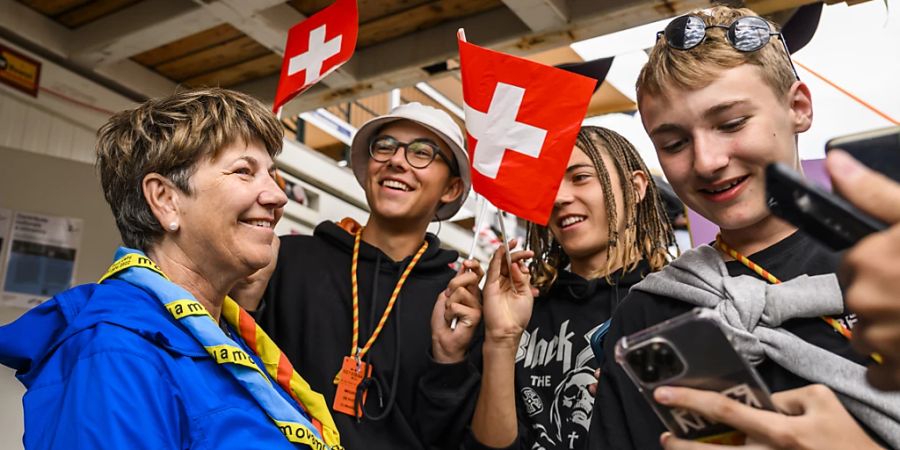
(648, 234)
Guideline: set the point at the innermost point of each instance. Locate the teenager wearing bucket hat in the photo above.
(360, 298)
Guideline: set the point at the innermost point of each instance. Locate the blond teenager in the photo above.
(720, 100)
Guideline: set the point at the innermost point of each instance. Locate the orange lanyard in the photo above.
(722, 246)
(357, 352)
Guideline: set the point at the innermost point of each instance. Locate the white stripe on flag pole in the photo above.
(478, 223)
(505, 240)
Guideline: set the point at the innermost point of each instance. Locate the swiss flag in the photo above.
(316, 47)
(522, 119)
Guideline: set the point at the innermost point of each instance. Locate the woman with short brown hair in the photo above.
(155, 355)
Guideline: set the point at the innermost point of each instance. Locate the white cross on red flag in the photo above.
(316, 47)
(522, 119)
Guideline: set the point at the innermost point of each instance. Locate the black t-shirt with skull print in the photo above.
(555, 363)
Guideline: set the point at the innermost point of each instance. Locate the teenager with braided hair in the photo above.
(646, 232)
(608, 228)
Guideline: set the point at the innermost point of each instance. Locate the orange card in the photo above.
(348, 380)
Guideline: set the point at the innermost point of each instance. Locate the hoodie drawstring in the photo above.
(371, 380)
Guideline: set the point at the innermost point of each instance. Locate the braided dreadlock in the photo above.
(647, 235)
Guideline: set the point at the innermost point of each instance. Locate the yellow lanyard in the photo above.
(360, 352)
(275, 362)
(725, 248)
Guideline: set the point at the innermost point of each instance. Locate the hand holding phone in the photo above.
(821, 214)
(877, 149)
(691, 350)
(826, 216)
(813, 418)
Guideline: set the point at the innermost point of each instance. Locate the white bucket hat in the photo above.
(435, 120)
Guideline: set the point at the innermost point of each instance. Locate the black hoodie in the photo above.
(308, 311)
(555, 363)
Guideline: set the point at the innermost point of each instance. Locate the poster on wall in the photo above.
(5, 222)
(40, 260)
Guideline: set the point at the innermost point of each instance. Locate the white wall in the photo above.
(10, 397)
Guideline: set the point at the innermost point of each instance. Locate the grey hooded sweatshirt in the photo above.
(754, 311)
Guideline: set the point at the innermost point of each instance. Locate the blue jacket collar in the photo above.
(29, 340)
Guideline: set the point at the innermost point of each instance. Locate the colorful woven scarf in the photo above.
(136, 268)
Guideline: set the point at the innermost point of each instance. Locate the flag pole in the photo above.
(461, 33)
(505, 240)
(479, 216)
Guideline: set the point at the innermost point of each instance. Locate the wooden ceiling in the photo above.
(153, 46)
(147, 48)
(221, 56)
(382, 20)
(224, 56)
(75, 13)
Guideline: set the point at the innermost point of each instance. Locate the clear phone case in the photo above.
(691, 350)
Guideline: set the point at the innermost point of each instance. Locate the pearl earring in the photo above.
(173, 226)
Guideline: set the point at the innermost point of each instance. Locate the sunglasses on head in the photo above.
(746, 34)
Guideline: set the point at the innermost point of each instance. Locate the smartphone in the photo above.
(877, 149)
(691, 350)
(821, 214)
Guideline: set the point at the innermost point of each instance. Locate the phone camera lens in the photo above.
(655, 362)
(666, 356)
(650, 373)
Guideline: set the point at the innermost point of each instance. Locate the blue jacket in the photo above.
(107, 367)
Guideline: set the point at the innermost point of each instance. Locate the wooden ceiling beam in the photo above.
(137, 78)
(262, 66)
(540, 15)
(136, 29)
(243, 16)
(41, 31)
(54, 7)
(213, 58)
(369, 10)
(419, 18)
(18, 19)
(188, 45)
(91, 11)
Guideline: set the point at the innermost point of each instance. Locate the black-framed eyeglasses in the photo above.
(746, 34)
(419, 153)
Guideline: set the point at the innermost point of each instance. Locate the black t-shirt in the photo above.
(622, 418)
(555, 363)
